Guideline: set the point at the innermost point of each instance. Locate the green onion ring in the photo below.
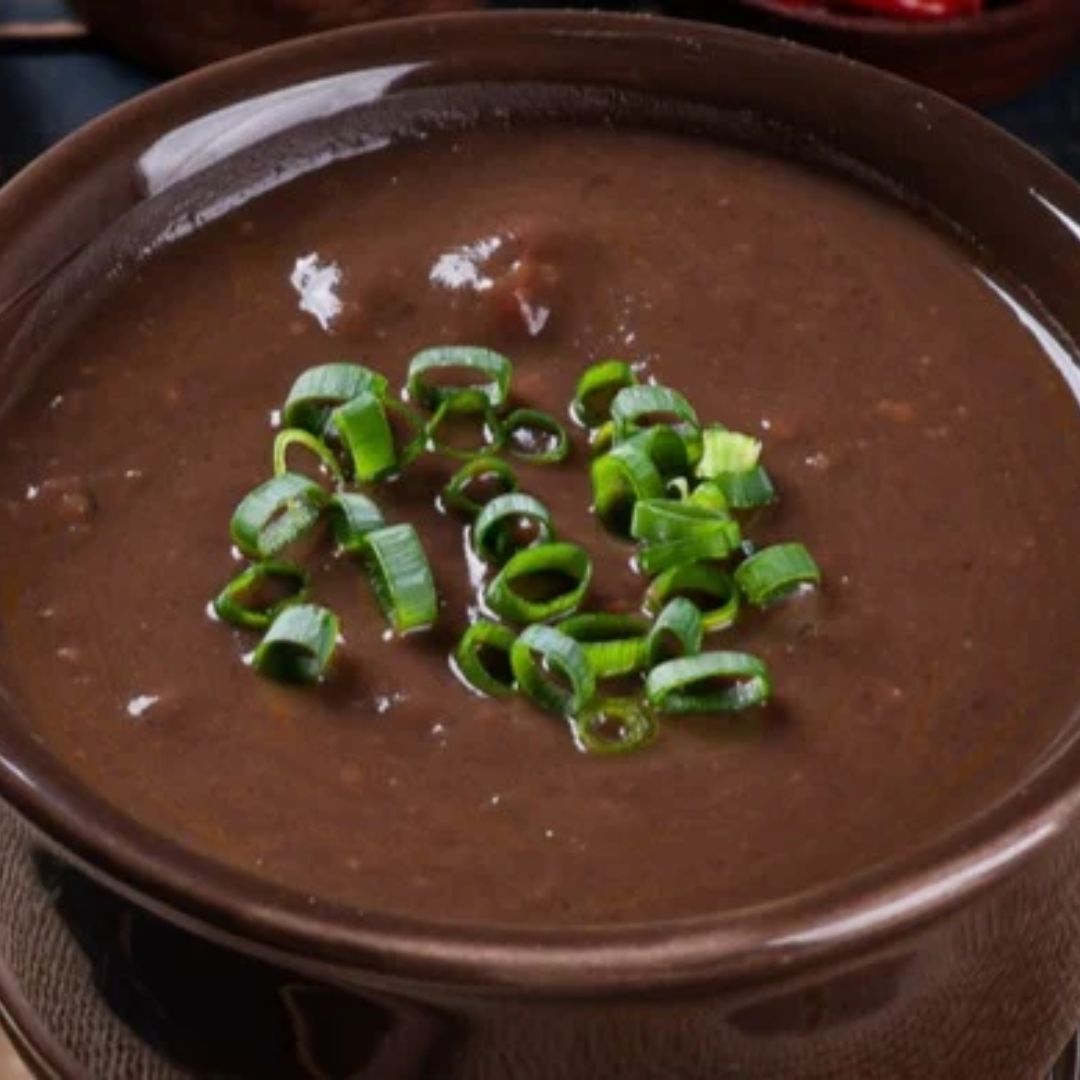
(727, 451)
(455, 495)
(465, 403)
(299, 644)
(363, 426)
(718, 542)
(286, 439)
(559, 653)
(600, 381)
(775, 572)
(614, 644)
(634, 403)
(601, 439)
(680, 623)
(494, 369)
(744, 490)
(401, 577)
(275, 514)
(658, 521)
(636, 726)
(709, 495)
(321, 389)
(701, 579)
(534, 419)
(468, 659)
(492, 533)
(620, 478)
(568, 559)
(670, 687)
(231, 607)
(352, 517)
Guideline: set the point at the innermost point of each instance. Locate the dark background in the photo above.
(46, 90)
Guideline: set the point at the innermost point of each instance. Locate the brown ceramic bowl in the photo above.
(176, 35)
(960, 961)
(982, 60)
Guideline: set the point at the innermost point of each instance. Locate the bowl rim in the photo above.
(1020, 13)
(734, 948)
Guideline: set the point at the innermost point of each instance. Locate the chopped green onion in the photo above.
(319, 390)
(726, 451)
(401, 577)
(459, 403)
(364, 426)
(558, 655)
(775, 572)
(475, 666)
(717, 542)
(635, 405)
(459, 494)
(566, 562)
(299, 644)
(275, 514)
(678, 631)
(596, 389)
(709, 495)
(352, 517)
(290, 437)
(742, 490)
(479, 368)
(711, 588)
(620, 478)
(657, 521)
(601, 439)
(497, 533)
(708, 682)
(614, 644)
(614, 726)
(536, 436)
(239, 603)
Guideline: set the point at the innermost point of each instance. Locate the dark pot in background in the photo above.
(961, 962)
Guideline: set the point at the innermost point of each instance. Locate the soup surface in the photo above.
(926, 449)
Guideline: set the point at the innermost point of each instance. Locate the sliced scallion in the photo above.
(726, 451)
(520, 592)
(401, 577)
(253, 599)
(637, 407)
(510, 523)
(658, 521)
(364, 426)
(536, 437)
(352, 517)
(678, 631)
(614, 644)
(482, 658)
(299, 644)
(621, 478)
(717, 542)
(552, 669)
(319, 390)
(743, 490)
(614, 726)
(466, 366)
(451, 409)
(708, 682)
(596, 389)
(286, 439)
(275, 514)
(775, 572)
(711, 588)
(476, 483)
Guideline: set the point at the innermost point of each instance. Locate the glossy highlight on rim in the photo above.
(734, 946)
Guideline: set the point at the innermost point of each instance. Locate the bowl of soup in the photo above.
(536, 523)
